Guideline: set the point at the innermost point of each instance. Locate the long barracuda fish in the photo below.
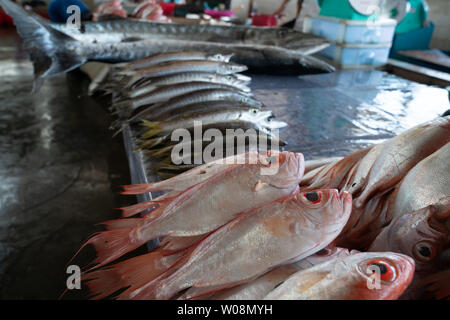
(133, 29)
(54, 52)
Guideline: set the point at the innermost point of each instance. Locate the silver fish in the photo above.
(165, 93)
(128, 30)
(152, 84)
(175, 56)
(174, 67)
(237, 128)
(175, 104)
(201, 107)
(54, 52)
(227, 116)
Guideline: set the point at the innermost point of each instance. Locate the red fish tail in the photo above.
(140, 188)
(132, 273)
(162, 288)
(113, 244)
(121, 223)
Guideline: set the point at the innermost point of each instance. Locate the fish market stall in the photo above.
(334, 114)
(257, 170)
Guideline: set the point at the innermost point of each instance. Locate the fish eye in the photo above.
(323, 252)
(385, 270)
(313, 197)
(282, 33)
(424, 251)
(254, 111)
(244, 99)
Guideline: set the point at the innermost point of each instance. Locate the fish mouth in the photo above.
(291, 166)
(271, 123)
(242, 78)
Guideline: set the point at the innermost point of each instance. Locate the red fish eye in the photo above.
(313, 196)
(385, 270)
(424, 251)
(323, 252)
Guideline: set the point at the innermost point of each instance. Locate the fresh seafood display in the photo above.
(236, 216)
(314, 238)
(58, 49)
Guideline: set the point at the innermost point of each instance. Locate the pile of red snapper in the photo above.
(373, 225)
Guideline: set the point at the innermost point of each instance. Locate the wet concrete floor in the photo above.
(59, 167)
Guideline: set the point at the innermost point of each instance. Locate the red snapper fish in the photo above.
(333, 174)
(260, 287)
(421, 235)
(428, 183)
(396, 156)
(258, 240)
(350, 278)
(202, 207)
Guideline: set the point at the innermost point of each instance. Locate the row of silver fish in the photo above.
(165, 92)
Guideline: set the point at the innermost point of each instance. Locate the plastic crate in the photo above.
(351, 31)
(356, 55)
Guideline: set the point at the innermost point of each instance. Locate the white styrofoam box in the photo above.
(356, 55)
(351, 31)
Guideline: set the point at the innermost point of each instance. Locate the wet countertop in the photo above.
(338, 113)
(60, 166)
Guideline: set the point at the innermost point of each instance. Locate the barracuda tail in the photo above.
(51, 51)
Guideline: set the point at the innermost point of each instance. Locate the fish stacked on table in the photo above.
(252, 243)
(59, 48)
(195, 91)
(387, 235)
(401, 200)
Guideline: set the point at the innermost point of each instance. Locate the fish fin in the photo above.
(121, 223)
(142, 206)
(46, 46)
(111, 245)
(153, 129)
(164, 185)
(132, 273)
(143, 188)
(149, 143)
